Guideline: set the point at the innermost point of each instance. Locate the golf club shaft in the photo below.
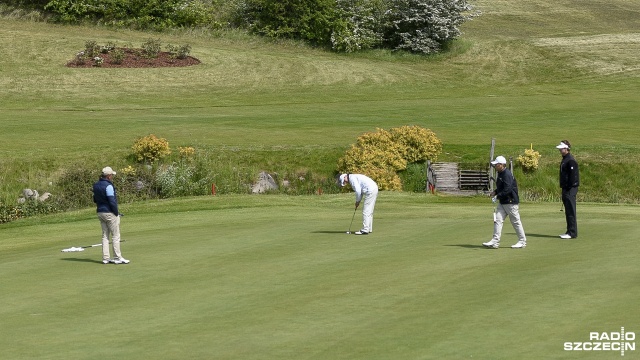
(353, 217)
(96, 245)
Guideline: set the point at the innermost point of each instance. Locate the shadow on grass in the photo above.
(328, 232)
(542, 236)
(470, 246)
(82, 260)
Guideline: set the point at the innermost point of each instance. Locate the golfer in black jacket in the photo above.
(569, 182)
(506, 194)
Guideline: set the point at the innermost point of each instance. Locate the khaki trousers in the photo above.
(110, 226)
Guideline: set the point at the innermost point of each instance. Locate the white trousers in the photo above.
(368, 205)
(502, 211)
(110, 226)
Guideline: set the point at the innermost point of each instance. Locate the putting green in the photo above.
(276, 277)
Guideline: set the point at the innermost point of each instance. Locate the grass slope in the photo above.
(241, 277)
(506, 77)
(525, 73)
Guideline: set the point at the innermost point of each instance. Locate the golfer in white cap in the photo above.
(506, 194)
(569, 182)
(104, 195)
(366, 188)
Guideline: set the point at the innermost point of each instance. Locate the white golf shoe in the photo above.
(492, 244)
(121, 261)
(107, 261)
(519, 245)
(565, 236)
(361, 232)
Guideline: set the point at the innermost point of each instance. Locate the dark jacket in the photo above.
(105, 204)
(507, 188)
(569, 173)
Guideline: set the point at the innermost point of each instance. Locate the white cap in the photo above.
(108, 171)
(343, 179)
(562, 146)
(499, 160)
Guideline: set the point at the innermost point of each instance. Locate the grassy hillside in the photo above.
(524, 73)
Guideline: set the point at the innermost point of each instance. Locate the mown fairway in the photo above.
(524, 73)
(276, 277)
(517, 74)
(241, 277)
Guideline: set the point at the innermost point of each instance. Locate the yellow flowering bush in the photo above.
(128, 171)
(416, 143)
(150, 148)
(382, 154)
(186, 152)
(529, 160)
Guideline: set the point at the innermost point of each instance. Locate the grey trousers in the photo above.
(512, 211)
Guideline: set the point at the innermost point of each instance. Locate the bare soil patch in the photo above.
(133, 58)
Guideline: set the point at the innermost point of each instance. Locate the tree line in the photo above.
(418, 26)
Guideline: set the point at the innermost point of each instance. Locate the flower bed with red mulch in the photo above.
(133, 58)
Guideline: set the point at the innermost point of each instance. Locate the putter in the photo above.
(495, 209)
(81, 248)
(562, 207)
(353, 217)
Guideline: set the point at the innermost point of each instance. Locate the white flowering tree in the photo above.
(421, 26)
(358, 25)
(424, 26)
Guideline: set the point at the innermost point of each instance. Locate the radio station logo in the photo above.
(621, 341)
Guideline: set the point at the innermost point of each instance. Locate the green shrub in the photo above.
(10, 213)
(74, 187)
(358, 25)
(117, 56)
(108, 47)
(193, 13)
(179, 52)
(150, 149)
(80, 59)
(151, 48)
(70, 11)
(91, 48)
(414, 177)
(156, 15)
(182, 179)
(310, 20)
(98, 61)
(135, 183)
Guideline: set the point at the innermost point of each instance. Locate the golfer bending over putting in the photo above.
(367, 188)
(507, 195)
